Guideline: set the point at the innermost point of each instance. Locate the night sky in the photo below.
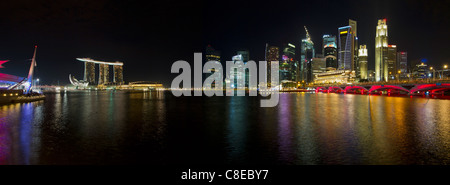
(148, 36)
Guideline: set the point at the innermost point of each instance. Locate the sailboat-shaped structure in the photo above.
(29, 82)
(13, 95)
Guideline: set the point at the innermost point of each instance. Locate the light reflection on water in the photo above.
(157, 128)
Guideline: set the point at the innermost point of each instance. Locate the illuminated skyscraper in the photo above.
(355, 63)
(272, 54)
(381, 55)
(392, 61)
(402, 62)
(345, 48)
(288, 64)
(362, 59)
(118, 74)
(348, 47)
(245, 55)
(89, 72)
(307, 53)
(211, 55)
(329, 51)
(103, 75)
(318, 65)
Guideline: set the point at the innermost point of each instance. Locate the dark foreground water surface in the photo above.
(158, 128)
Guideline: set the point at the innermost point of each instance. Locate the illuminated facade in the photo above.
(345, 48)
(381, 45)
(103, 77)
(402, 62)
(238, 75)
(336, 76)
(288, 64)
(103, 74)
(355, 63)
(89, 72)
(211, 55)
(319, 65)
(307, 53)
(245, 55)
(118, 74)
(272, 54)
(363, 59)
(329, 51)
(392, 62)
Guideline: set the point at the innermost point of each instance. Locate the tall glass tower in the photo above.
(345, 48)
(288, 64)
(307, 53)
(392, 61)
(272, 54)
(402, 62)
(329, 51)
(381, 45)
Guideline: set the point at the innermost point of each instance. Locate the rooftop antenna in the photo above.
(307, 34)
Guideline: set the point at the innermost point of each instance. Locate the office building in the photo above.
(329, 51)
(392, 62)
(307, 53)
(381, 45)
(272, 54)
(363, 59)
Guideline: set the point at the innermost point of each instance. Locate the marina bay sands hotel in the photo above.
(103, 76)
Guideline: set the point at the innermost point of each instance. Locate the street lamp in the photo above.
(431, 68)
(445, 68)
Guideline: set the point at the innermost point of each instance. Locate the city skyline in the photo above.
(149, 52)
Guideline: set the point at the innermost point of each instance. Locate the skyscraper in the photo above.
(238, 75)
(392, 61)
(318, 66)
(307, 53)
(329, 51)
(272, 54)
(402, 62)
(245, 55)
(288, 64)
(345, 48)
(355, 63)
(118, 74)
(211, 55)
(362, 59)
(103, 76)
(89, 72)
(381, 45)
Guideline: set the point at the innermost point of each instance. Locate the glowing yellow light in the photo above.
(431, 68)
(343, 32)
(445, 66)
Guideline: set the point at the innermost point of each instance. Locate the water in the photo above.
(158, 128)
